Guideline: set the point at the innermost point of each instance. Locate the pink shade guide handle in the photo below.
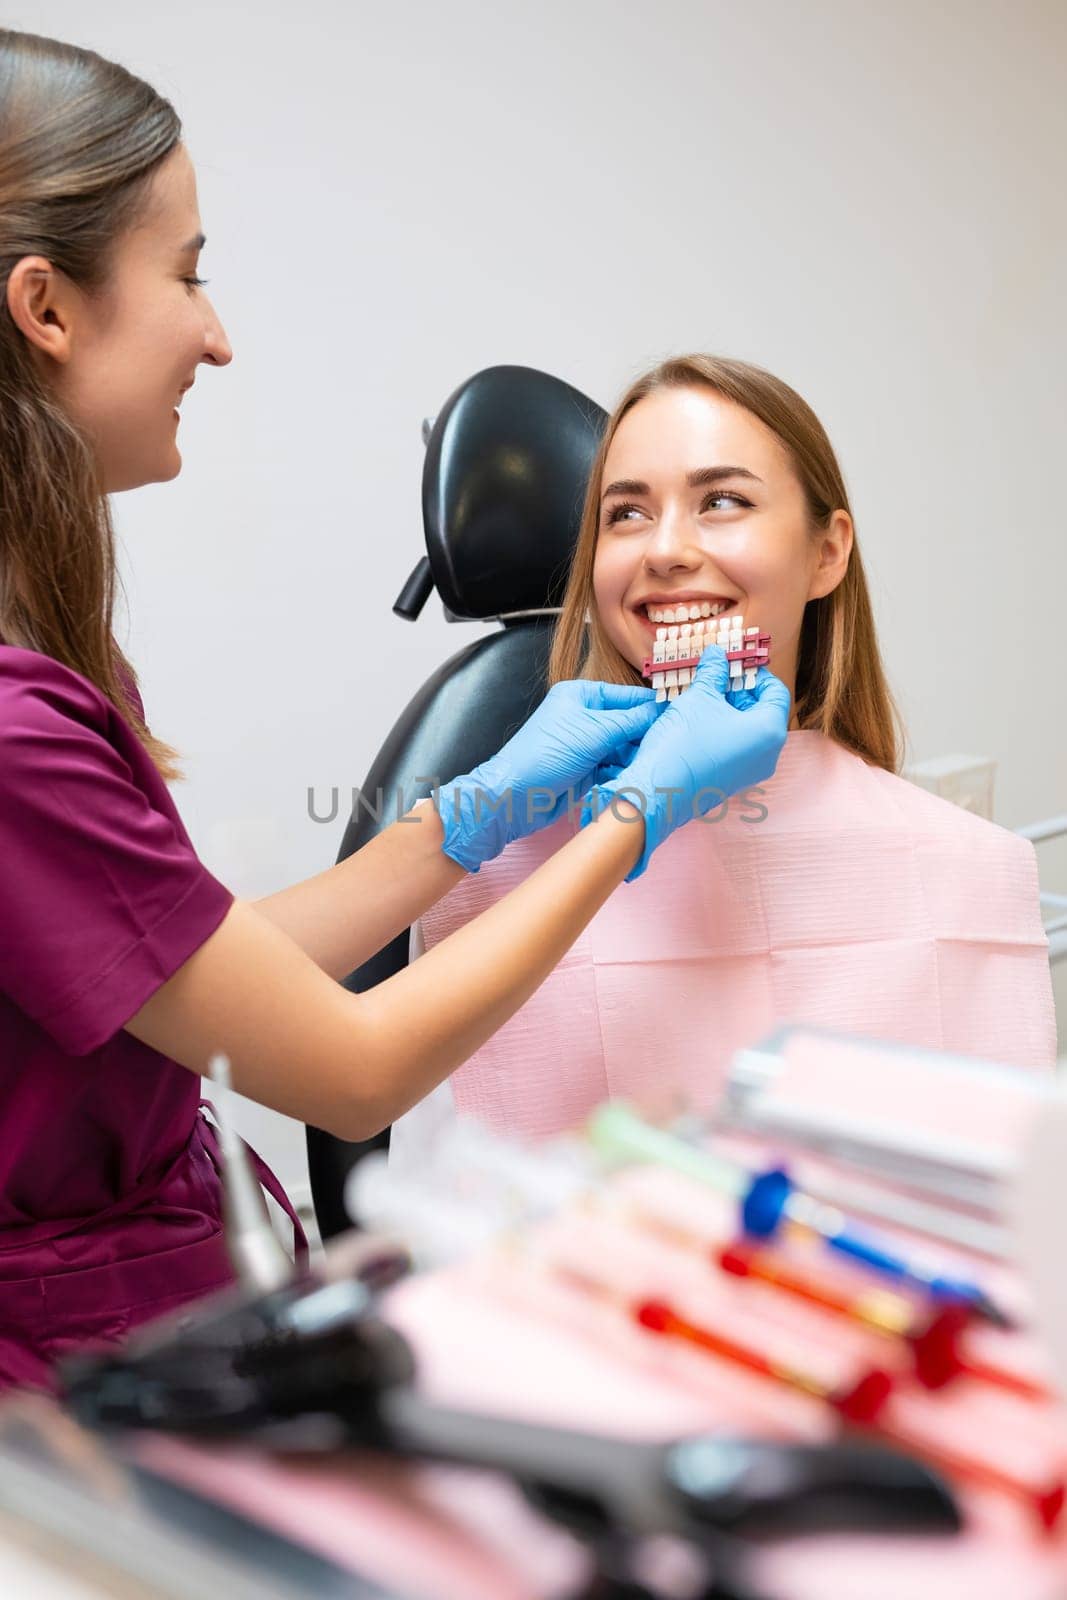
(754, 653)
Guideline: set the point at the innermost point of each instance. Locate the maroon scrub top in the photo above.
(110, 1202)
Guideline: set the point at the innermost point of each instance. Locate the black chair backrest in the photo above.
(507, 463)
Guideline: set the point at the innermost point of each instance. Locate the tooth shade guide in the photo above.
(679, 646)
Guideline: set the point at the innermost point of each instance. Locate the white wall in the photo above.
(865, 197)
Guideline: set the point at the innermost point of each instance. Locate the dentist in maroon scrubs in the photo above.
(124, 964)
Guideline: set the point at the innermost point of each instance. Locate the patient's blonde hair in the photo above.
(841, 687)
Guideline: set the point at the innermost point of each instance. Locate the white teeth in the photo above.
(690, 612)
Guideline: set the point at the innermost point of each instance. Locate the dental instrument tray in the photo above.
(313, 1367)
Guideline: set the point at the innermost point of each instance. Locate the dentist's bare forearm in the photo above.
(345, 915)
(350, 1063)
(456, 995)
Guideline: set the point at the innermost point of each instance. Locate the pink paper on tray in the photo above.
(495, 1341)
(512, 1334)
(490, 1339)
(859, 902)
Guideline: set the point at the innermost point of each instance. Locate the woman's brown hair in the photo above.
(841, 687)
(80, 141)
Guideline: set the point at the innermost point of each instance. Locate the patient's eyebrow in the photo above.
(699, 479)
(197, 242)
(706, 475)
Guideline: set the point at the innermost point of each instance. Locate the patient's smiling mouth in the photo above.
(683, 608)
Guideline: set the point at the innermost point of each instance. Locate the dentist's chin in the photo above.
(171, 466)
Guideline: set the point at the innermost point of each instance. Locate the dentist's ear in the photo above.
(41, 303)
(835, 548)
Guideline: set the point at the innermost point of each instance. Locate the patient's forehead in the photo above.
(168, 227)
(672, 432)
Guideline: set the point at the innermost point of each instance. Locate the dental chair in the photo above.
(507, 462)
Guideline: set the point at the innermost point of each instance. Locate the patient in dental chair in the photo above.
(838, 894)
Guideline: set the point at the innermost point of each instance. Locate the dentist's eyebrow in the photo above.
(196, 243)
(696, 480)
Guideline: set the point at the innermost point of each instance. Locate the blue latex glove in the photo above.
(571, 742)
(703, 748)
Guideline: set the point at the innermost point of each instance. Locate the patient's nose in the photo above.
(670, 547)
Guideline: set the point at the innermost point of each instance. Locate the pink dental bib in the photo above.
(857, 902)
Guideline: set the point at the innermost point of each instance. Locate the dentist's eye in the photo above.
(620, 512)
(727, 497)
(196, 283)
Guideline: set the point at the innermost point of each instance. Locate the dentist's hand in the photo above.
(700, 751)
(576, 736)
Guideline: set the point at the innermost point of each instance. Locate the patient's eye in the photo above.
(728, 497)
(621, 512)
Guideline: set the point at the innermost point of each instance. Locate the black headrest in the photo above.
(507, 463)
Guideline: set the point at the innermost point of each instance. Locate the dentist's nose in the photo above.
(217, 349)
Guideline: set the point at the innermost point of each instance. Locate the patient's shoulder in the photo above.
(951, 824)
